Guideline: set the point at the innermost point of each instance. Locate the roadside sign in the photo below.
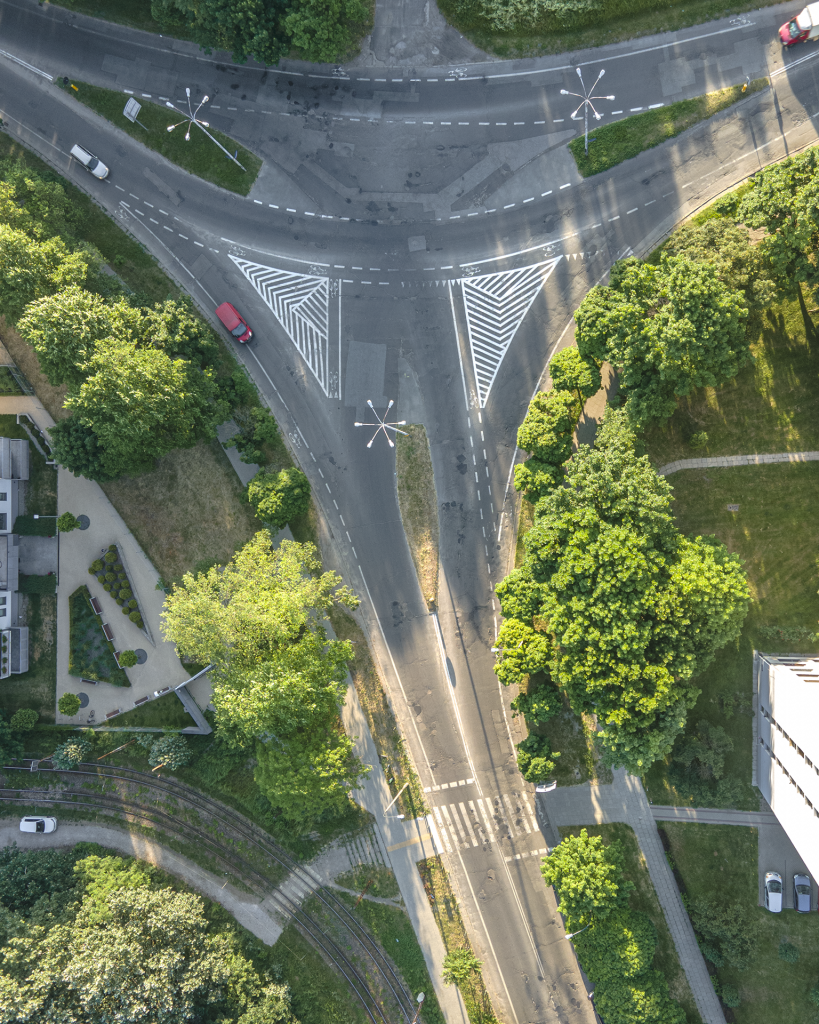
(132, 109)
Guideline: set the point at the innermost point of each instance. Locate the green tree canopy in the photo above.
(278, 498)
(24, 719)
(634, 610)
(31, 269)
(170, 751)
(246, 611)
(141, 404)
(321, 29)
(623, 948)
(68, 704)
(535, 758)
(77, 448)
(571, 372)
(547, 430)
(247, 28)
(667, 330)
(71, 753)
(522, 651)
(588, 878)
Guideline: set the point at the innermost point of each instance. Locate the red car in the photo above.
(234, 322)
(801, 28)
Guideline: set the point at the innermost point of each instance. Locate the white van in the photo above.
(90, 162)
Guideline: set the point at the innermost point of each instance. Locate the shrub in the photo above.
(109, 557)
(111, 577)
(106, 587)
(536, 760)
(67, 522)
(101, 578)
(119, 567)
(698, 440)
(788, 952)
(459, 965)
(125, 609)
(68, 704)
(98, 565)
(119, 601)
(128, 659)
(278, 498)
(126, 594)
(813, 995)
(170, 751)
(136, 617)
(68, 755)
(24, 719)
(730, 996)
(132, 603)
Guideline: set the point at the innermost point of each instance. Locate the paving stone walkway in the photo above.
(724, 461)
(625, 801)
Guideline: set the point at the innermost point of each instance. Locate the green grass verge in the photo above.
(644, 899)
(393, 929)
(621, 140)
(199, 156)
(721, 861)
(609, 22)
(90, 655)
(165, 712)
(37, 688)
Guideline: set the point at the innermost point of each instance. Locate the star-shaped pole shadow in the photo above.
(383, 425)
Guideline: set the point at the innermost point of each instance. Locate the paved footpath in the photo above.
(726, 461)
(625, 801)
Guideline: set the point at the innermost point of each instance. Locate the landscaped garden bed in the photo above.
(90, 655)
(110, 572)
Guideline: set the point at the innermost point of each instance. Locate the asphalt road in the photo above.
(389, 251)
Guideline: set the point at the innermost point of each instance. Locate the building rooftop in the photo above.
(13, 458)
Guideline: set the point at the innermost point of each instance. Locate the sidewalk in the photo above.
(405, 842)
(726, 461)
(713, 816)
(625, 801)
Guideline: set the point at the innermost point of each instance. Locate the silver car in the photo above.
(773, 891)
(801, 894)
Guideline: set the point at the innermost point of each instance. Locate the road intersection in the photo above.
(422, 237)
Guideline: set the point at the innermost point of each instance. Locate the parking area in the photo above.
(777, 853)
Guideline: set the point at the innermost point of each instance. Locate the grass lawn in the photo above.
(37, 688)
(90, 655)
(644, 899)
(199, 156)
(769, 407)
(451, 926)
(419, 506)
(608, 22)
(621, 140)
(573, 737)
(377, 880)
(721, 860)
(389, 743)
(393, 929)
(776, 534)
(165, 712)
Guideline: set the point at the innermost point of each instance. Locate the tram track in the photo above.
(312, 930)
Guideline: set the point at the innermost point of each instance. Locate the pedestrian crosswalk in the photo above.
(465, 824)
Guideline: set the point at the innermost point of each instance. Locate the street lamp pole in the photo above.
(417, 1012)
(586, 97)
(191, 118)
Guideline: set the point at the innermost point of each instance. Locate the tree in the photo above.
(175, 328)
(77, 448)
(703, 754)
(459, 965)
(69, 754)
(170, 752)
(522, 652)
(31, 203)
(278, 498)
(667, 329)
(321, 30)
(571, 372)
(30, 269)
(11, 747)
(539, 702)
(727, 247)
(547, 430)
(64, 329)
(67, 522)
(535, 758)
(68, 704)
(128, 659)
(24, 719)
(535, 478)
(247, 28)
(643, 1000)
(634, 610)
(588, 878)
(622, 946)
(273, 1007)
(141, 404)
(255, 605)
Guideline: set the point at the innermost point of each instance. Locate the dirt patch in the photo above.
(187, 513)
(25, 359)
(419, 506)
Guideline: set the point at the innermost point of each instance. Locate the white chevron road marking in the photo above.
(300, 304)
(495, 306)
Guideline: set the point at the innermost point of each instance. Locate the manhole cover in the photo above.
(84, 522)
(142, 656)
(83, 699)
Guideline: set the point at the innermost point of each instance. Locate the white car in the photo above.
(773, 891)
(546, 787)
(90, 162)
(38, 825)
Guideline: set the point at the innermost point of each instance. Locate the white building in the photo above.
(13, 475)
(786, 746)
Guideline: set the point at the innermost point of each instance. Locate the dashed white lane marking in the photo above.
(529, 853)
(636, 208)
(448, 785)
(614, 218)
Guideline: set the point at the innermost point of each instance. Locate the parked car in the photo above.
(235, 323)
(38, 825)
(801, 28)
(773, 891)
(546, 787)
(801, 894)
(90, 162)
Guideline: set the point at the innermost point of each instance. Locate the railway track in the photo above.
(308, 925)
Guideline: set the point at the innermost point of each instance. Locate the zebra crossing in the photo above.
(466, 824)
(300, 302)
(298, 887)
(495, 305)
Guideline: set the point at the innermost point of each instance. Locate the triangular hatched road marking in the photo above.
(495, 306)
(300, 304)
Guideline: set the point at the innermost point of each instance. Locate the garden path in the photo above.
(724, 461)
